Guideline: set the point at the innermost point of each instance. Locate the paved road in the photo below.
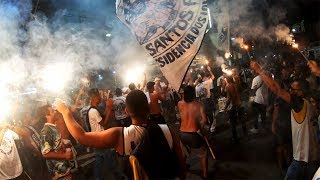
(253, 158)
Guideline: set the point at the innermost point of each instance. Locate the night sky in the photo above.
(296, 11)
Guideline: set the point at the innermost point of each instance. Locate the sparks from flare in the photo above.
(242, 45)
(296, 46)
(246, 47)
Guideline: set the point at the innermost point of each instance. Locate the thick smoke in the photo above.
(251, 19)
(87, 37)
(77, 39)
(283, 34)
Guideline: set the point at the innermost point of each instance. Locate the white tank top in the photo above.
(10, 164)
(304, 137)
(133, 134)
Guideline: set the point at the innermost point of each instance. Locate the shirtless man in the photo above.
(153, 99)
(235, 109)
(191, 111)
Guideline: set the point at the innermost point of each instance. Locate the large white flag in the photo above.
(170, 30)
(220, 25)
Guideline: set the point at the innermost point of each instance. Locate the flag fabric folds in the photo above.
(171, 31)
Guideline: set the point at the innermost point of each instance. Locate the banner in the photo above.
(220, 24)
(170, 30)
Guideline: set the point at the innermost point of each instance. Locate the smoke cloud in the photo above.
(36, 50)
(86, 36)
(250, 19)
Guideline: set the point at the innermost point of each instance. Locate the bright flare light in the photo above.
(7, 104)
(228, 72)
(85, 82)
(134, 74)
(225, 70)
(246, 47)
(11, 78)
(55, 76)
(227, 55)
(295, 45)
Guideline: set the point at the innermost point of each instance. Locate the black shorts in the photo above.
(192, 139)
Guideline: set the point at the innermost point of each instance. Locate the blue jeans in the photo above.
(301, 170)
(107, 157)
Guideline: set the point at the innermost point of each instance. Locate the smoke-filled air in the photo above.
(47, 55)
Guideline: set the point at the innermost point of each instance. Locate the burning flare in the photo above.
(295, 45)
(56, 76)
(225, 70)
(133, 75)
(227, 55)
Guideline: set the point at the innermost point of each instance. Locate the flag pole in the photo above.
(210, 149)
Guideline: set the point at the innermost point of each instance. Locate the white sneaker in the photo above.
(254, 130)
(212, 130)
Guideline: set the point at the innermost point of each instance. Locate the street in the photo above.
(252, 158)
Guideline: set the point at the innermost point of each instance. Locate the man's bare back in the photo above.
(233, 94)
(190, 116)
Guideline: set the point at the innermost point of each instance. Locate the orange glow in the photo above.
(227, 55)
(295, 45)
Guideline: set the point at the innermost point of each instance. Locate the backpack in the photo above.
(85, 118)
(155, 155)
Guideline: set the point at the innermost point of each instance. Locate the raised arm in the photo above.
(188, 78)
(142, 88)
(211, 74)
(314, 68)
(109, 138)
(271, 84)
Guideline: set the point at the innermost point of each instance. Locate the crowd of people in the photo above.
(133, 130)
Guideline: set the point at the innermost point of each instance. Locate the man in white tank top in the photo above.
(304, 138)
(123, 139)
